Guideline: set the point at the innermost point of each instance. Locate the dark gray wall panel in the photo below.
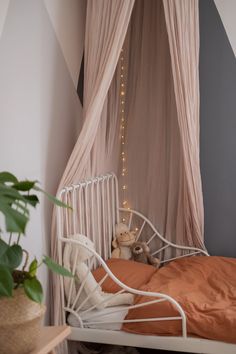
(218, 132)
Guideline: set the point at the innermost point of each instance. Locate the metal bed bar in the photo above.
(96, 211)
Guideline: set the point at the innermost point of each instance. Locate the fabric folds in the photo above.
(106, 26)
(182, 23)
(161, 54)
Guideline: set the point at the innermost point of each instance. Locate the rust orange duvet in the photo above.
(205, 287)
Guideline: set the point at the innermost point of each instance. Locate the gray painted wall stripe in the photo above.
(218, 132)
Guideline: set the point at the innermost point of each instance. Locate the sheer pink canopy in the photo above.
(160, 40)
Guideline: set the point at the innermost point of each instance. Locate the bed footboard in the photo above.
(71, 296)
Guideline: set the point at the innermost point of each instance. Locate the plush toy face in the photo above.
(121, 228)
(83, 253)
(141, 253)
(124, 237)
(140, 248)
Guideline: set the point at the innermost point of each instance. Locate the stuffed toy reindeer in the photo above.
(80, 253)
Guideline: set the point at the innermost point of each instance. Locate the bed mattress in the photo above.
(101, 316)
(205, 287)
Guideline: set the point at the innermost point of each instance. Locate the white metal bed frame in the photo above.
(100, 196)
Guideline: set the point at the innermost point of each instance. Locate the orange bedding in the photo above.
(205, 287)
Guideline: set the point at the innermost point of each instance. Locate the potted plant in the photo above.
(21, 293)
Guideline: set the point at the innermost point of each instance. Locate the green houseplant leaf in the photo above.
(13, 207)
(6, 190)
(56, 268)
(31, 199)
(3, 247)
(24, 185)
(33, 268)
(15, 202)
(15, 221)
(53, 199)
(7, 177)
(6, 281)
(33, 289)
(12, 257)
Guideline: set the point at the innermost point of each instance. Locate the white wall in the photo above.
(227, 11)
(39, 106)
(3, 12)
(68, 23)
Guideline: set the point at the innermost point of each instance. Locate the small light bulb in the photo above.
(122, 111)
(136, 229)
(122, 93)
(123, 159)
(122, 153)
(121, 75)
(123, 219)
(122, 85)
(122, 174)
(122, 67)
(124, 202)
(124, 187)
(123, 143)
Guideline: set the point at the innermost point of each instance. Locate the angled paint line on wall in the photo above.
(39, 109)
(218, 127)
(227, 11)
(68, 21)
(4, 4)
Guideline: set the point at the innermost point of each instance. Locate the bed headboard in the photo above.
(95, 204)
(96, 211)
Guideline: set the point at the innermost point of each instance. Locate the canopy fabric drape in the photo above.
(106, 26)
(152, 148)
(161, 109)
(182, 22)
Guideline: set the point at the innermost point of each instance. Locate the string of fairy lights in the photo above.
(123, 133)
